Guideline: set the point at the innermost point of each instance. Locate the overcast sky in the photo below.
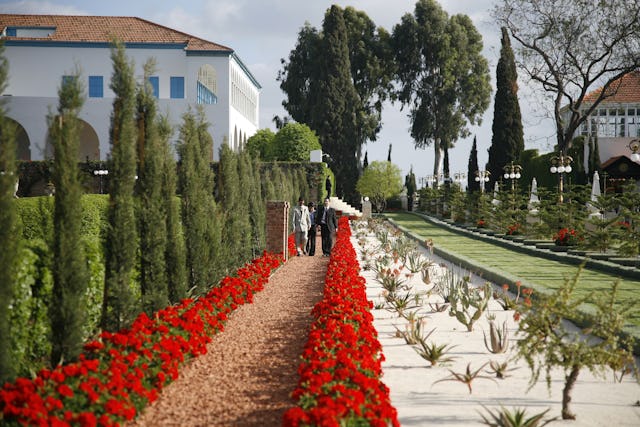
(264, 31)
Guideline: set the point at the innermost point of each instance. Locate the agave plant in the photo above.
(413, 332)
(467, 377)
(499, 338)
(433, 352)
(438, 308)
(500, 369)
(517, 418)
(401, 303)
(416, 262)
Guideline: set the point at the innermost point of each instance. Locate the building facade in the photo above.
(191, 73)
(616, 120)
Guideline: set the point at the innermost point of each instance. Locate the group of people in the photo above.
(307, 221)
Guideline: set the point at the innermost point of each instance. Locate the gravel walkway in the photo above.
(251, 367)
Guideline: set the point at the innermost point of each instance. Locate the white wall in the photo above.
(36, 74)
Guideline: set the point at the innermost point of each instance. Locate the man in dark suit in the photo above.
(326, 219)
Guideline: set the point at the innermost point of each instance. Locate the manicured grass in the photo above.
(537, 272)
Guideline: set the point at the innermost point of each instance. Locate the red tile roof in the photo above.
(102, 29)
(626, 88)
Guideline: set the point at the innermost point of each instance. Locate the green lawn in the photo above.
(537, 272)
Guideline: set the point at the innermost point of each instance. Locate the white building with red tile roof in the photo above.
(616, 119)
(43, 49)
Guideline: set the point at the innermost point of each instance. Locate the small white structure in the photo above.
(315, 156)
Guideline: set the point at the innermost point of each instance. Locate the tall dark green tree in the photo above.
(335, 104)
(236, 232)
(199, 210)
(250, 183)
(319, 63)
(70, 275)
(365, 162)
(152, 205)
(472, 169)
(410, 185)
(9, 230)
(175, 251)
(507, 142)
(442, 76)
(119, 306)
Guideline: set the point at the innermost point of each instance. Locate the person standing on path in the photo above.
(301, 224)
(326, 219)
(311, 238)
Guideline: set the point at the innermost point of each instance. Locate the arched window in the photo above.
(207, 85)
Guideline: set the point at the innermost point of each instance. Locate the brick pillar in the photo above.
(277, 227)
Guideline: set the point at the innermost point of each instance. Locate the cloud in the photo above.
(40, 8)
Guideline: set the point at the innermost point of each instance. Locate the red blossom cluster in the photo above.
(514, 229)
(340, 369)
(120, 373)
(566, 237)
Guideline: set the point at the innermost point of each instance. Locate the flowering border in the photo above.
(120, 373)
(341, 362)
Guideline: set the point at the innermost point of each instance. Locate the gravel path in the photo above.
(251, 367)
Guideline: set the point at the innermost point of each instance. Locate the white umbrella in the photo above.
(595, 194)
(495, 200)
(595, 187)
(534, 200)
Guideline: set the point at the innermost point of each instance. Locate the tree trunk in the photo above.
(437, 162)
(570, 381)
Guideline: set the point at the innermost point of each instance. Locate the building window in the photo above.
(11, 32)
(155, 84)
(96, 87)
(207, 85)
(177, 87)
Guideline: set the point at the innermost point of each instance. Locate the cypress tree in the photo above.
(70, 274)
(235, 232)
(119, 307)
(199, 211)
(365, 162)
(257, 217)
(152, 210)
(472, 169)
(9, 231)
(335, 102)
(507, 142)
(175, 251)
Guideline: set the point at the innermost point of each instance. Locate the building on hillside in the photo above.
(616, 124)
(42, 50)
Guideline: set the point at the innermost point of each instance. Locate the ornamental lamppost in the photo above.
(100, 173)
(634, 146)
(482, 177)
(460, 177)
(512, 172)
(561, 164)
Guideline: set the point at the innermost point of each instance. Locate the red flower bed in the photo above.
(120, 373)
(340, 372)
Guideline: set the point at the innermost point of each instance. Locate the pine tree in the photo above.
(152, 210)
(507, 142)
(472, 169)
(199, 210)
(119, 306)
(175, 251)
(70, 275)
(9, 230)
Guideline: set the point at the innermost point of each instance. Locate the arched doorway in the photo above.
(23, 145)
(89, 149)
